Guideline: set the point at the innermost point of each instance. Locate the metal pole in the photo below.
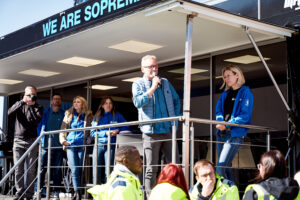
(268, 141)
(267, 68)
(187, 94)
(48, 168)
(211, 103)
(174, 142)
(192, 154)
(258, 9)
(107, 163)
(89, 94)
(95, 163)
(38, 192)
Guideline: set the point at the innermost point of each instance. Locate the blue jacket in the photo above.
(70, 121)
(43, 127)
(241, 113)
(146, 106)
(108, 119)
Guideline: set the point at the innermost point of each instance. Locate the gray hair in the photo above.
(30, 87)
(146, 58)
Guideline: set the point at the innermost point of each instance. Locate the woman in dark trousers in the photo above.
(235, 106)
(271, 180)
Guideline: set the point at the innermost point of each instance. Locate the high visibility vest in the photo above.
(223, 191)
(167, 191)
(263, 194)
(120, 186)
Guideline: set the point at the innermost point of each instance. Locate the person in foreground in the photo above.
(123, 183)
(235, 106)
(272, 182)
(170, 184)
(211, 185)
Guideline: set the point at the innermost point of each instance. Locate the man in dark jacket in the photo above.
(27, 115)
(278, 188)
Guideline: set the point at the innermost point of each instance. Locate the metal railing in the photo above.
(107, 164)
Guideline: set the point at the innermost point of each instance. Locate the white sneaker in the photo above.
(55, 195)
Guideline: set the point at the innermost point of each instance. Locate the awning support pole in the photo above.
(267, 68)
(187, 95)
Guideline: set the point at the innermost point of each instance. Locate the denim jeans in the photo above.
(102, 159)
(75, 161)
(56, 161)
(226, 151)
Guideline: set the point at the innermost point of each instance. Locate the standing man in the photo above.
(52, 120)
(123, 183)
(211, 185)
(155, 98)
(27, 114)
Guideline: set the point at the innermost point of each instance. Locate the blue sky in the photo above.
(16, 14)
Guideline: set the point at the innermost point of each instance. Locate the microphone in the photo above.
(155, 74)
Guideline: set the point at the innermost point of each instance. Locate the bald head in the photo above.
(130, 157)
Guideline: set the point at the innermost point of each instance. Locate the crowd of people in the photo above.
(154, 97)
(271, 182)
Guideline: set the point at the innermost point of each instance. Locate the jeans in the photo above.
(56, 161)
(75, 161)
(25, 183)
(226, 151)
(102, 159)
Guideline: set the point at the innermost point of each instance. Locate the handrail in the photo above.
(20, 160)
(206, 121)
(179, 118)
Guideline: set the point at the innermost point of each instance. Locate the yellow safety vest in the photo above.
(222, 192)
(263, 194)
(120, 186)
(167, 191)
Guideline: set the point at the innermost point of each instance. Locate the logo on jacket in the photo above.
(247, 103)
(292, 3)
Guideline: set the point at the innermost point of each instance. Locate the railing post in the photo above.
(174, 142)
(95, 159)
(187, 95)
(38, 192)
(192, 153)
(48, 167)
(268, 141)
(107, 163)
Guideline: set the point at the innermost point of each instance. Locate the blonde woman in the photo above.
(78, 116)
(235, 106)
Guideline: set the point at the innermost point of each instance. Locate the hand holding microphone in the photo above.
(156, 80)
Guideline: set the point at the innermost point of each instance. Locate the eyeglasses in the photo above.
(151, 66)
